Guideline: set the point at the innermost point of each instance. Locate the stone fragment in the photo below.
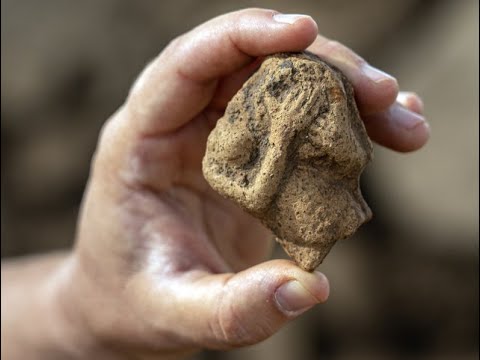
(289, 150)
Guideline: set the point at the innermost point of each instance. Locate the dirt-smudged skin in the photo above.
(289, 150)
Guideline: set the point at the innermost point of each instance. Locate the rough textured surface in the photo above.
(289, 150)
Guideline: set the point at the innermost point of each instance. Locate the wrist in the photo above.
(41, 315)
(37, 319)
(72, 335)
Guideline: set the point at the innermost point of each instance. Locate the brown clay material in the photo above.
(290, 150)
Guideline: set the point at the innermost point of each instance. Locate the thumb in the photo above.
(231, 310)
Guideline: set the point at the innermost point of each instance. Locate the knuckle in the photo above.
(174, 45)
(230, 329)
(172, 48)
(337, 49)
(135, 94)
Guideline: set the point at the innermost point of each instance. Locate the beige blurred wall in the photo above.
(408, 279)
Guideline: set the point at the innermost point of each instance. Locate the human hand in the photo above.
(162, 264)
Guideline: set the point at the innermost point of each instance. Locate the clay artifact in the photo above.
(289, 150)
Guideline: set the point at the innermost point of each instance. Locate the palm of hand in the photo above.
(203, 230)
(166, 222)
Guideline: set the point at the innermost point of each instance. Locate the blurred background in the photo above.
(405, 287)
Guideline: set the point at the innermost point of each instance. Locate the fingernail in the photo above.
(375, 74)
(293, 299)
(403, 97)
(406, 118)
(289, 18)
(410, 100)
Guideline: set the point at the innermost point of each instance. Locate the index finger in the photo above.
(180, 82)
